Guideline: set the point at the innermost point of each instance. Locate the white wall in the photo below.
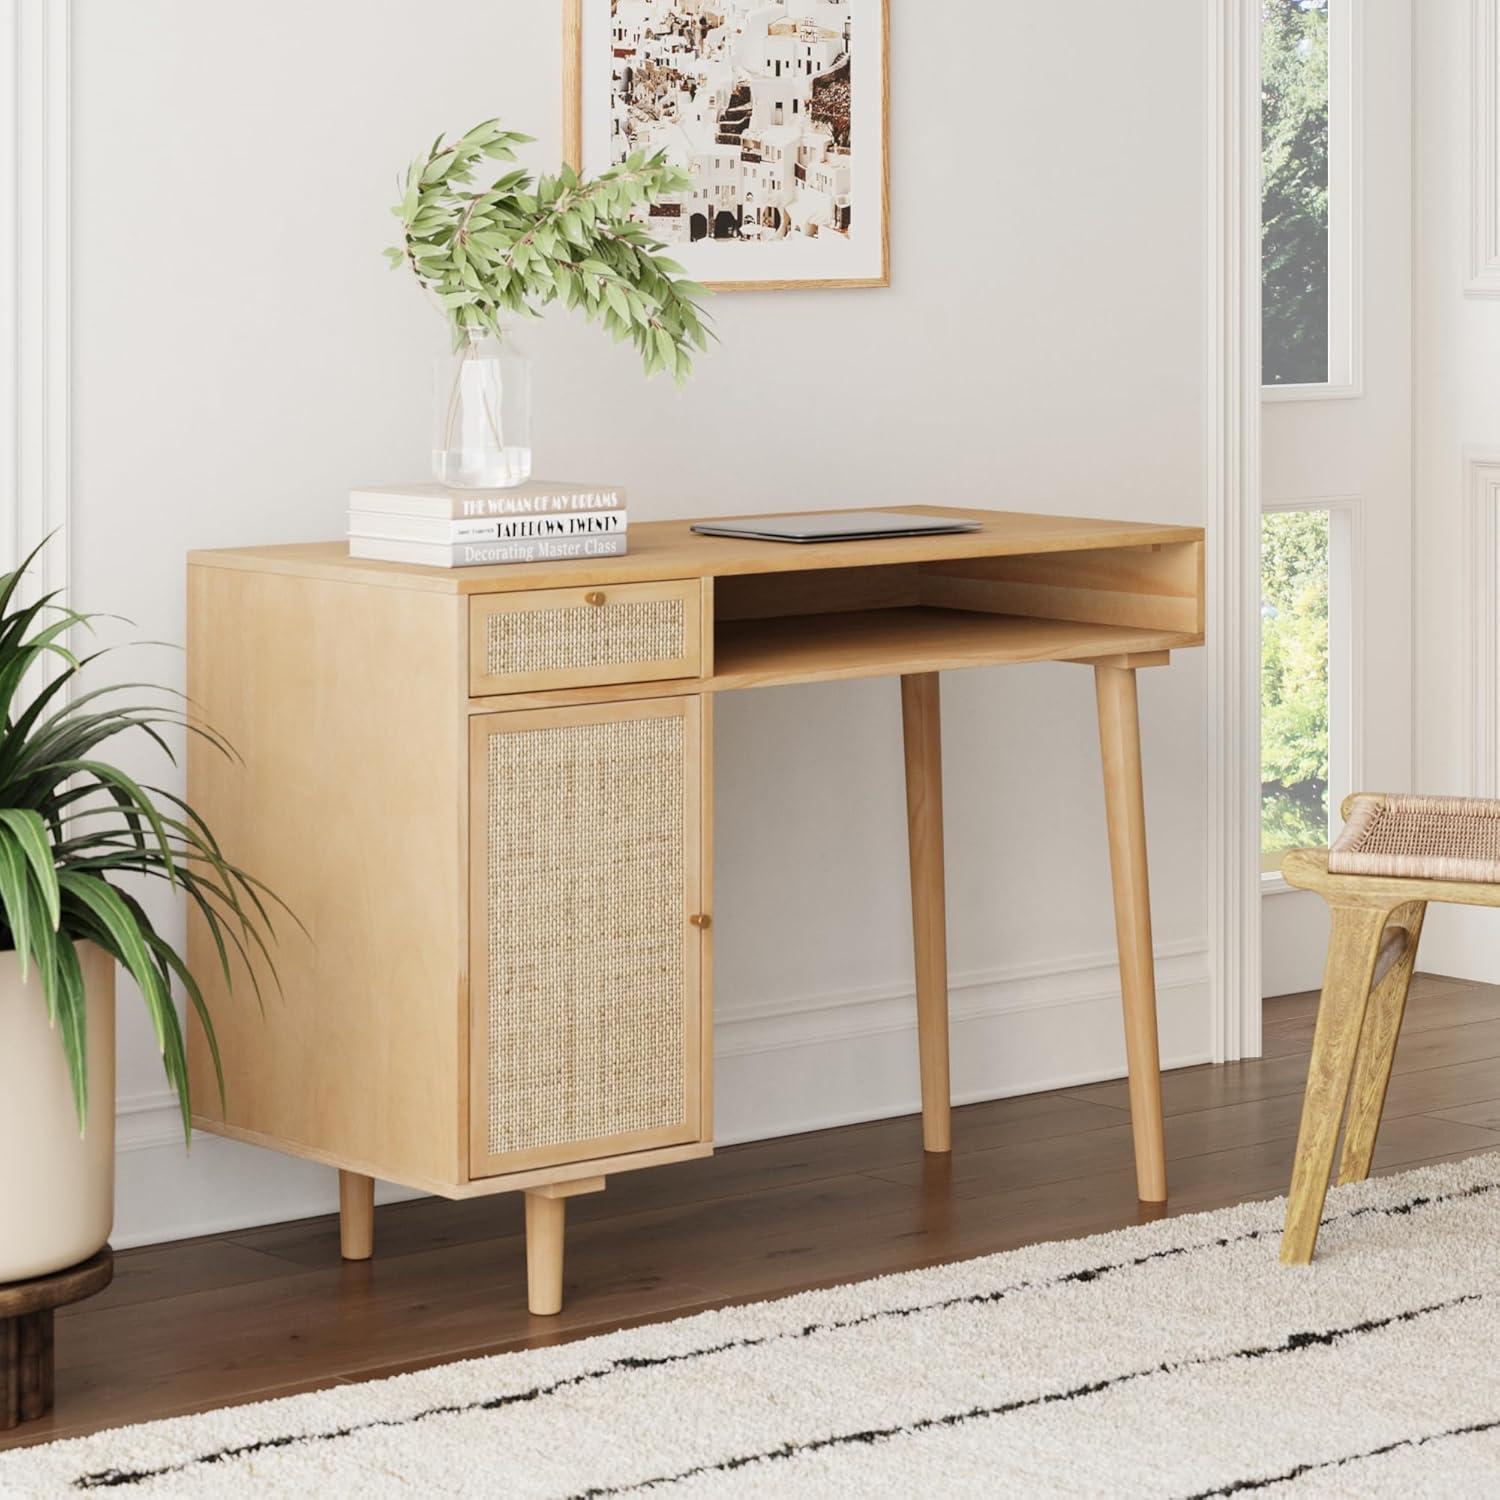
(242, 356)
(1458, 442)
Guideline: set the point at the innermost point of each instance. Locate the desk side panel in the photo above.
(344, 705)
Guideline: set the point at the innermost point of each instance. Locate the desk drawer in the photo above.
(562, 638)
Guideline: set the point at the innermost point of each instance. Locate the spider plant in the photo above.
(77, 833)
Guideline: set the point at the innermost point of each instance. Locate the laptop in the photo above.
(834, 526)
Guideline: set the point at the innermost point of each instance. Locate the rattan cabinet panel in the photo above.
(585, 985)
(562, 638)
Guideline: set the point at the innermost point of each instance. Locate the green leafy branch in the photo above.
(523, 243)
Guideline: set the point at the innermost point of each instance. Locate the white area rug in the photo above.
(1177, 1359)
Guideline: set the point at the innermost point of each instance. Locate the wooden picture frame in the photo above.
(859, 260)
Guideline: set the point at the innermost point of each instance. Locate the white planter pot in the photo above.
(57, 1189)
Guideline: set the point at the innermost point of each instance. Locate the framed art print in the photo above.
(777, 109)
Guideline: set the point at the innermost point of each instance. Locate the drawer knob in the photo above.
(593, 598)
(701, 920)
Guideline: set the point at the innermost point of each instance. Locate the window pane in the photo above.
(1293, 681)
(1294, 187)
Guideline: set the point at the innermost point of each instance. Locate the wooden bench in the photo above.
(1395, 854)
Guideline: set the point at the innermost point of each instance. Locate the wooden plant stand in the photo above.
(26, 1309)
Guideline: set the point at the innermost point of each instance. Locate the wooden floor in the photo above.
(267, 1312)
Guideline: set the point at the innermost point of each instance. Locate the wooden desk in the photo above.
(488, 794)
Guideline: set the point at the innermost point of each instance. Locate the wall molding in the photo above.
(34, 286)
(1232, 384)
(838, 1016)
(1482, 500)
(775, 1024)
(1484, 150)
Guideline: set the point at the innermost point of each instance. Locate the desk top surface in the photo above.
(669, 549)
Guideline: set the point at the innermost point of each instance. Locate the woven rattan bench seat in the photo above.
(1420, 838)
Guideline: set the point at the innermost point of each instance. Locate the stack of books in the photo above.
(442, 528)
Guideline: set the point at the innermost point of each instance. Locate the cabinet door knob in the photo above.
(593, 598)
(701, 919)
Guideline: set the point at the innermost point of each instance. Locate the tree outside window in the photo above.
(1294, 681)
(1294, 187)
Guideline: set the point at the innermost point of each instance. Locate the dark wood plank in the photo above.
(1436, 1090)
(1190, 1089)
(114, 1408)
(180, 1267)
(1430, 1004)
(741, 1171)
(1485, 1114)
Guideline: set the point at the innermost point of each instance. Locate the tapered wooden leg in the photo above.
(356, 1216)
(922, 733)
(1353, 947)
(1125, 811)
(1377, 1039)
(546, 1220)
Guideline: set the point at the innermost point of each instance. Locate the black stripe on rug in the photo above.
(121, 1478)
(1293, 1344)
(1241, 1486)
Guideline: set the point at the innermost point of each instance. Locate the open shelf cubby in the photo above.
(827, 624)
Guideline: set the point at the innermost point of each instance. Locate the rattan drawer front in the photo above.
(561, 638)
(585, 993)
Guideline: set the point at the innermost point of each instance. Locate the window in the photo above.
(1308, 197)
(1293, 681)
(1305, 675)
(1294, 187)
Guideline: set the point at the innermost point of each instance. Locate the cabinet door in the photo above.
(585, 984)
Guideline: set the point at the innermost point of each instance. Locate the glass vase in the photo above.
(482, 414)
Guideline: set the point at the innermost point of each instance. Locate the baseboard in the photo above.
(163, 1192)
(742, 1028)
(783, 1066)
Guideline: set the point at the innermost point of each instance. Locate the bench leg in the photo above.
(1125, 810)
(546, 1220)
(922, 734)
(1353, 946)
(356, 1215)
(1377, 1047)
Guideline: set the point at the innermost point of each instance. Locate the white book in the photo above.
(478, 554)
(535, 498)
(399, 528)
